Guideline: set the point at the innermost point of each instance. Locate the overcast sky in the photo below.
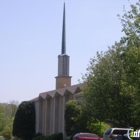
(30, 41)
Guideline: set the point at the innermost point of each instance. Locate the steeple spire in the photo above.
(63, 79)
(63, 33)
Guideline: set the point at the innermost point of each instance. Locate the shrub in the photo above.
(41, 137)
(16, 138)
(6, 133)
(97, 127)
(58, 136)
(24, 122)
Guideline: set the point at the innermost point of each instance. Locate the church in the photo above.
(50, 105)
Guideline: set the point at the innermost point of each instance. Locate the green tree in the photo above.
(83, 118)
(131, 58)
(2, 118)
(103, 87)
(72, 112)
(10, 108)
(24, 122)
(131, 43)
(76, 118)
(6, 120)
(112, 90)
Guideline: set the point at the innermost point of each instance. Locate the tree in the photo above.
(24, 122)
(72, 112)
(131, 57)
(112, 90)
(7, 113)
(76, 118)
(103, 87)
(11, 108)
(2, 118)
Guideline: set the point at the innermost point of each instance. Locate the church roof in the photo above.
(74, 89)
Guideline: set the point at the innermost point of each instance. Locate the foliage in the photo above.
(72, 112)
(112, 90)
(97, 127)
(131, 26)
(7, 113)
(83, 118)
(24, 122)
(103, 87)
(6, 133)
(11, 108)
(58, 136)
(75, 118)
(41, 137)
(2, 118)
(16, 138)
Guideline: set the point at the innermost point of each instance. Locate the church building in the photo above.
(50, 105)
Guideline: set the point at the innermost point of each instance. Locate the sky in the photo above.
(31, 35)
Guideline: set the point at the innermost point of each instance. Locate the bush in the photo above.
(97, 127)
(16, 138)
(24, 122)
(36, 135)
(47, 138)
(41, 137)
(52, 137)
(58, 136)
(7, 133)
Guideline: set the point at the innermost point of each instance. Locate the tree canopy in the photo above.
(7, 114)
(112, 81)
